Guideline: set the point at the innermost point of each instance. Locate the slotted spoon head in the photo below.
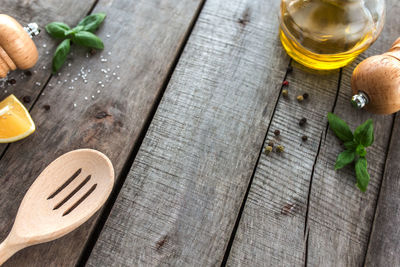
(65, 195)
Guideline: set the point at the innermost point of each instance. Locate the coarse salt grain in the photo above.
(109, 53)
(108, 36)
(102, 85)
(92, 96)
(118, 78)
(44, 45)
(38, 83)
(98, 91)
(86, 98)
(117, 66)
(74, 105)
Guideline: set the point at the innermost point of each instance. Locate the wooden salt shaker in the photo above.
(17, 50)
(376, 82)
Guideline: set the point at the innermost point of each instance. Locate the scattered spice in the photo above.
(12, 81)
(289, 69)
(277, 132)
(46, 107)
(268, 149)
(302, 121)
(305, 95)
(271, 143)
(92, 51)
(102, 115)
(304, 138)
(280, 149)
(285, 93)
(288, 209)
(285, 83)
(28, 73)
(300, 98)
(26, 99)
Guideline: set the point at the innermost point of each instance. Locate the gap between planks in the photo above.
(105, 212)
(239, 216)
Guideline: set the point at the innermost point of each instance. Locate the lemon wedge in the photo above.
(15, 121)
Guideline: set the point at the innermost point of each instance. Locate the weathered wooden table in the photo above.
(191, 96)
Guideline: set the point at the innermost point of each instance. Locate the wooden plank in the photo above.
(299, 210)
(271, 229)
(384, 245)
(181, 198)
(41, 12)
(144, 38)
(340, 216)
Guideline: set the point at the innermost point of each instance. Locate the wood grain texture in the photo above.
(340, 216)
(299, 210)
(271, 229)
(384, 245)
(182, 196)
(144, 38)
(41, 12)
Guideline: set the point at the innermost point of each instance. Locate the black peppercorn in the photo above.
(28, 73)
(305, 95)
(26, 99)
(46, 107)
(271, 143)
(304, 138)
(302, 121)
(12, 81)
(277, 132)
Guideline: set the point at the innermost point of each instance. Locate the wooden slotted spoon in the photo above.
(65, 195)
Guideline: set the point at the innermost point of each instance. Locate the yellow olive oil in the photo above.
(325, 34)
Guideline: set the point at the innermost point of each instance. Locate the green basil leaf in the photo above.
(364, 134)
(88, 39)
(61, 54)
(351, 145)
(360, 150)
(78, 28)
(362, 174)
(340, 128)
(344, 158)
(70, 34)
(57, 29)
(92, 22)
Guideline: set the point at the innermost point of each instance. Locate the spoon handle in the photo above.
(7, 250)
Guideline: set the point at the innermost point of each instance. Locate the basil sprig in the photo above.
(81, 35)
(355, 145)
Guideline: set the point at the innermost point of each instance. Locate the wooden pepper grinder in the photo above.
(17, 50)
(376, 82)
